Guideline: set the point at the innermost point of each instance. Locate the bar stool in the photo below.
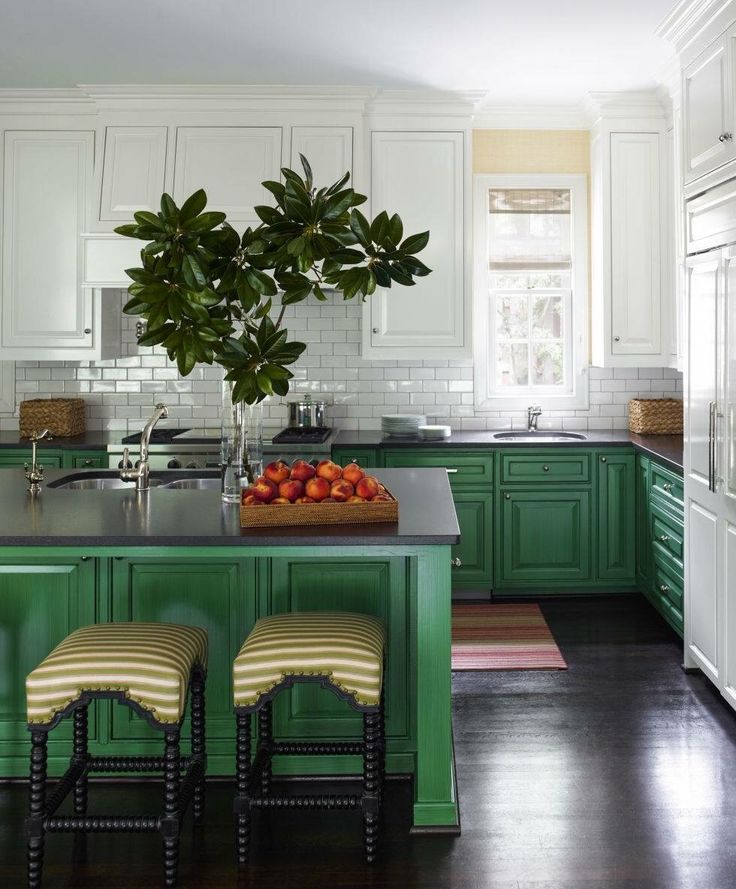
(342, 652)
(149, 667)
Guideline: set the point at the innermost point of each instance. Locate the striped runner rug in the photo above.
(502, 637)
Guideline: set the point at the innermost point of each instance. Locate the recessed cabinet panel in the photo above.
(45, 311)
(475, 517)
(616, 527)
(707, 112)
(420, 175)
(329, 151)
(229, 163)
(635, 243)
(133, 172)
(702, 583)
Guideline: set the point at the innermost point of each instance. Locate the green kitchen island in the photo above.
(74, 557)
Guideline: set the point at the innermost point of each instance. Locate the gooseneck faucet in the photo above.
(533, 413)
(140, 474)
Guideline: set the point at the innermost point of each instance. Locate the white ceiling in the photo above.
(531, 51)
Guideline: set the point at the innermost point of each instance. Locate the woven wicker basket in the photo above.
(63, 417)
(655, 416)
(298, 514)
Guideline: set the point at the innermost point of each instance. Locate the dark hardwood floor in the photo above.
(617, 774)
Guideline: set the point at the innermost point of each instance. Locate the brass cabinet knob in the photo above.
(456, 562)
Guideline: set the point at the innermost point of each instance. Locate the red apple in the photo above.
(264, 489)
(291, 489)
(367, 487)
(317, 488)
(352, 473)
(301, 470)
(341, 490)
(277, 471)
(328, 470)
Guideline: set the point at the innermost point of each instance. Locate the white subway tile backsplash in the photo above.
(121, 392)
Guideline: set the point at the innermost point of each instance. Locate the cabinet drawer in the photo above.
(545, 467)
(463, 467)
(667, 486)
(363, 456)
(667, 585)
(667, 534)
(82, 460)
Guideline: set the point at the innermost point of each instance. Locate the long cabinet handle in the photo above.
(451, 471)
(712, 446)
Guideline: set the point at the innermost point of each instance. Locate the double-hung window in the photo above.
(531, 291)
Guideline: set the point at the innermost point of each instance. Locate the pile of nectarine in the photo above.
(302, 482)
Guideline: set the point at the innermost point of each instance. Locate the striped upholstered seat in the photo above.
(347, 648)
(150, 663)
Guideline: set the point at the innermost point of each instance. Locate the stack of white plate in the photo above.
(402, 424)
(435, 433)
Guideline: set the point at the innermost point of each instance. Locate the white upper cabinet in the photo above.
(45, 312)
(636, 261)
(708, 100)
(229, 163)
(133, 172)
(421, 175)
(329, 151)
(633, 297)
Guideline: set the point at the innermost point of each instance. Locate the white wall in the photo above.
(121, 392)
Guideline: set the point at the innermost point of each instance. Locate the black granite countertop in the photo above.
(59, 517)
(666, 448)
(88, 441)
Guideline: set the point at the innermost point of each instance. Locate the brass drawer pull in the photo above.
(457, 562)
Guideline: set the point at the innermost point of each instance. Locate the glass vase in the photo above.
(241, 452)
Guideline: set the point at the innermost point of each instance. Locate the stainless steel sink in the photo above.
(541, 437)
(194, 484)
(107, 483)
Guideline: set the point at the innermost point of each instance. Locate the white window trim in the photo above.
(577, 184)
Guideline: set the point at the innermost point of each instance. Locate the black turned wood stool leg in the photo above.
(242, 800)
(371, 799)
(170, 823)
(81, 756)
(36, 808)
(198, 742)
(265, 746)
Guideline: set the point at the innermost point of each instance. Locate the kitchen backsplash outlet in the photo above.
(120, 393)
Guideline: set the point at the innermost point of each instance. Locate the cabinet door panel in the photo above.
(217, 595)
(133, 171)
(229, 163)
(635, 244)
(329, 151)
(475, 516)
(707, 115)
(40, 605)
(44, 306)
(702, 585)
(545, 537)
(616, 505)
(365, 586)
(422, 175)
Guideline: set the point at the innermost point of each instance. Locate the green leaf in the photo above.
(193, 273)
(415, 243)
(380, 227)
(339, 203)
(193, 205)
(128, 231)
(268, 215)
(347, 256)
(395, 228)
(307, 171)
(144, 217)
(277, 189)
(154, 337)
(360, 227)
(168, 209)
(206, 221)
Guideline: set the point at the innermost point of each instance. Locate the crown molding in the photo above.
(420, 103)
(629, 105)
(696, 22)
(530, 117)
(45, 101)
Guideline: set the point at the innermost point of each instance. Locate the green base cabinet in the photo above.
(643, 543)
(616, 498)
(51, 459)
(40, 604)
(363, 456)
(84, 460)
(473, 556)
(545, 538)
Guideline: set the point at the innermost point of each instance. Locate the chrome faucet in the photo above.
(34, 472)
(140, 474)
(533, 413)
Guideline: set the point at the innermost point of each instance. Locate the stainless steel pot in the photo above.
(307, 412)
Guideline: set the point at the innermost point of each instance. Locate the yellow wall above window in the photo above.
(531, 151)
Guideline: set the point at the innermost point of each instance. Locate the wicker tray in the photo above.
(655, 416)
(319, 513)
(63, 417)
